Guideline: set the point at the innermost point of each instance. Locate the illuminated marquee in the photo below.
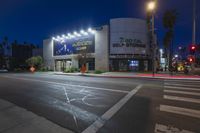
(74, 45)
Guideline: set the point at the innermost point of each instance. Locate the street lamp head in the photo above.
(151, 5)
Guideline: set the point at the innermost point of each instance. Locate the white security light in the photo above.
(58, 38)
(91, 30)
(70, 35)
(77, 34)
(85, 33)
(82, 31)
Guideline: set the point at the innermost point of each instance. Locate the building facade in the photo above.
(120, 46)
(71, 50)
(129, 48)
(20, 53)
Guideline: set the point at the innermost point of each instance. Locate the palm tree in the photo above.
(169, 22)
(6, 46)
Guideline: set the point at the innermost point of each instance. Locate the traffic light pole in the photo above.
(194, 23)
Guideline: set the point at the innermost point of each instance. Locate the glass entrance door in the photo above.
(134, 65)
(62, 65)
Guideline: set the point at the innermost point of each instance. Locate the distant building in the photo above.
(123, 45)
(162, 59)
(37, 52)
(20, 53)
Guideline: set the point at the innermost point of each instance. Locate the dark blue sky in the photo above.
(35, 20)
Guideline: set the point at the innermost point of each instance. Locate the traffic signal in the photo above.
(191, 59)
(193, 49)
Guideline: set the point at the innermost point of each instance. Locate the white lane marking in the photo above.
(180, 111)
(112, 111)
(69, 102)
(181, 88)
(50, 82)
(175, 98)
(169, 129)
(171, 84)
(182, 92)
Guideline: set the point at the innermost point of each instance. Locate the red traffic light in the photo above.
(191, 59)
(193, 48)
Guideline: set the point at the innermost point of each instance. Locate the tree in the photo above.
(83, 57)
(35, 61)
(6, 46)
(2, 61)
(169, 22)
(5, 52)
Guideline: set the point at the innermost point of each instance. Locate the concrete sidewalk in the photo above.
(132, 75)
(14, 119)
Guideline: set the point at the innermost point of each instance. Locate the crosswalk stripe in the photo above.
(169, 129)
(181, 88)
(182, 92)
(192, 100)
(182, 85)
(180, 111)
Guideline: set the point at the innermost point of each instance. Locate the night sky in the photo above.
(35, 20)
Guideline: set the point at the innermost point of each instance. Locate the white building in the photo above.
(120, 46)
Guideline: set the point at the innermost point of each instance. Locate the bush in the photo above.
(98, 72)
(18, 70)
(35, 61)
(43, 69)
(71, 70)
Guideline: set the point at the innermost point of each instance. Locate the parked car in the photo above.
(3, 70)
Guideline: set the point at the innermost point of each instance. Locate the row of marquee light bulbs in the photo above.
(75, 34)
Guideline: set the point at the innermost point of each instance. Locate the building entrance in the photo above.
(129, 65)
(62, 65)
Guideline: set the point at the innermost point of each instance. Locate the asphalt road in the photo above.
(106, 105)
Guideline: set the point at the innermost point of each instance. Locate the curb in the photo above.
(129, 77)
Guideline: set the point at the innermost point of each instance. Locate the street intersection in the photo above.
(107, 105)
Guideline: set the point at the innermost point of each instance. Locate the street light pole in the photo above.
(151, 7)
(153, 44)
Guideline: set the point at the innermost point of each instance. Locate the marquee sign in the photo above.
(125, 42)
(127, 45)
(74, 46)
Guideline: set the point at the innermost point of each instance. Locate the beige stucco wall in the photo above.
(101, 49)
